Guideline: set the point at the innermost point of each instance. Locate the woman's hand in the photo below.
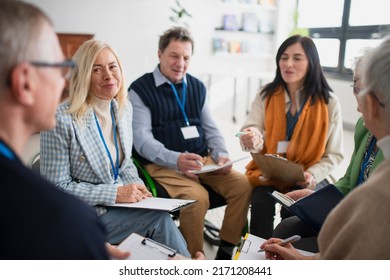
(298, 194)
(310, 181)
(131, 193)
(252, 139)
(273, 251)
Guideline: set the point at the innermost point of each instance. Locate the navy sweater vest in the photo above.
(167, 118)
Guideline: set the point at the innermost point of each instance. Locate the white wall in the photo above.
(343, 90)
(132, 27)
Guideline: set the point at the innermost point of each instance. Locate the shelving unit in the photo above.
(246, 28)
(244, 41)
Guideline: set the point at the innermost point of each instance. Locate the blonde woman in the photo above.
(88, 154)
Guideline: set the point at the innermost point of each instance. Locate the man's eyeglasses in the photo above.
(65, 66)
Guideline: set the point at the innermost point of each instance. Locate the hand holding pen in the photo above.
(284, 242)
(278, 249)
(198, 161)
(250, 138)
(189, 161)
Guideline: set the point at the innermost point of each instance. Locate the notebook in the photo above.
(314, 208)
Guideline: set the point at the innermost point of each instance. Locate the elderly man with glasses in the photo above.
(38, 221)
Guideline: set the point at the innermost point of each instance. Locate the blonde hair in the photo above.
(80, 80)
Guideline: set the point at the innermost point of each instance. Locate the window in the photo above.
(340, 29)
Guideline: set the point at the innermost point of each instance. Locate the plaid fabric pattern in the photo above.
(73, 157)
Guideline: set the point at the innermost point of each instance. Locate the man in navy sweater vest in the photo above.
(174, 131)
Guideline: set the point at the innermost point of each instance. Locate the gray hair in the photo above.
(376, 73)
(20, 30)
(357, 60)
(175, 34)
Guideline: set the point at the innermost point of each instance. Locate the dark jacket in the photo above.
(39, 221)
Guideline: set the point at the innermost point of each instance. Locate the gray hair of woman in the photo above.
(376, 73)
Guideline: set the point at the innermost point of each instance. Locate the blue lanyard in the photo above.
(366, 160)
(115, 168)
(5, 151)
(181, 103)
(294, 121)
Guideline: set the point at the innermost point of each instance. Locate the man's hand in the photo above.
(132, 193)
(115, 253)
(225, 170)
(189, 161)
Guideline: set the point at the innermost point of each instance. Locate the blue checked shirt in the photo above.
(74, 158)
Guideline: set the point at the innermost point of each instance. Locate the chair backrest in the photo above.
(34, 163)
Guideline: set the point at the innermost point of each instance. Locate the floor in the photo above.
(224, 117)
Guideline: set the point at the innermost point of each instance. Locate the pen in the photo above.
(198, 162)
(291, 239)
(238, 134)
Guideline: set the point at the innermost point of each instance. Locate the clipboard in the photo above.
(144, 248)
(158, 203)
(273, 166)
(249, 249)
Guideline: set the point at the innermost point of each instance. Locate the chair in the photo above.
(34, 162)
(210, 232)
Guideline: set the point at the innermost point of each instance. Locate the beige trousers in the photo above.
(234, 187)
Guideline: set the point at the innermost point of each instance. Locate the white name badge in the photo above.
(282, 147)
(190, 132)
